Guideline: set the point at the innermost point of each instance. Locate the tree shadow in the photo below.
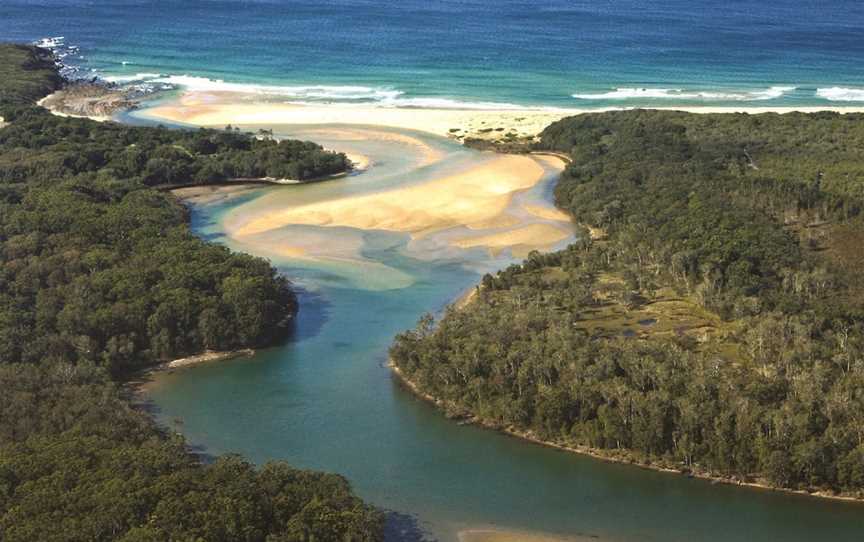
(400, 527)
(313, 313)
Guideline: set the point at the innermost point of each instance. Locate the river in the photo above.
(326, 400)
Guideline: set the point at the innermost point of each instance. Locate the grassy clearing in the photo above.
(666, 315)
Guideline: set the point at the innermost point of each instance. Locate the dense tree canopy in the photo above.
(27, 73)
(77, 463)
(99, 276)
(712, 325)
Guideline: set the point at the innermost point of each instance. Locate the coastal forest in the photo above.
(709, 318)
(100, 277)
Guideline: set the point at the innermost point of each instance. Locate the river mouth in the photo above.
(326, 400)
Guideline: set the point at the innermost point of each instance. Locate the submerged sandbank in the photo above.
(472, 208)
(473, 198)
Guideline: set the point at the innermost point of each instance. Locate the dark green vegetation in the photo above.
(100, 276)
(714, 324)
(27, 74)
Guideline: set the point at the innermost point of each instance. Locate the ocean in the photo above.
(465, 53)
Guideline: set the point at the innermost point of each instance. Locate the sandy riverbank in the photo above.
(206, 357)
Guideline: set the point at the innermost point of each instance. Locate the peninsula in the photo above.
(713, 327)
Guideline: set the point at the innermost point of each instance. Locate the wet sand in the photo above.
(487, 202)
(476, 198)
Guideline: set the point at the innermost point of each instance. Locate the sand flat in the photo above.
(476, 196)
(522, 240)
(470, 208)
(206, 194)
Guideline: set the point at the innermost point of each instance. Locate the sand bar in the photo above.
(476, 196)
(479, 199)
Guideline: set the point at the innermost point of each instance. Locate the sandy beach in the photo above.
(220, 108)
(223, 108)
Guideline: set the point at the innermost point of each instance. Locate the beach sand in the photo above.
(223, 108)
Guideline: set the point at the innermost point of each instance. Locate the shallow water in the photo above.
(325, 400)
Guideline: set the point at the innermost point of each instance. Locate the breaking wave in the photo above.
(682, 94)
(841, 94)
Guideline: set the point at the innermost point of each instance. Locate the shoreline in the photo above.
(220, 108)
(596, 453)
(465, 417)
(142, 379)
(214, 109)
(204, 357)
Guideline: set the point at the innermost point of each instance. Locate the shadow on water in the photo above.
(132, 391)
(212, 237)
(399, 527)
(314, 313)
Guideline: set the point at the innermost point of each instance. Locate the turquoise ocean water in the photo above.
(452, 52)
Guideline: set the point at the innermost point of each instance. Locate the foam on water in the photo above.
(311, 92)
(384, 96)
(841, 94)
(138, 77)
(682, 94)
